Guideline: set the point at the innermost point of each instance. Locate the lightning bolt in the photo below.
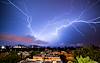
(71, 23)
(78, 18)
(54, 22)
(28, 18)
(86, 9)
(74, 21)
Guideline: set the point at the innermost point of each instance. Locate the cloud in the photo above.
(13, 39)
(70, 35)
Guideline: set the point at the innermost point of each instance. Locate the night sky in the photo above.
(57, 22)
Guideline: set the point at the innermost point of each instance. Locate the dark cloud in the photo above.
(70, 35)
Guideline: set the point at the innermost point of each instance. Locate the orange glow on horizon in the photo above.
(14, 38)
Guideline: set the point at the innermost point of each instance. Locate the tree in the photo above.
(84, 60)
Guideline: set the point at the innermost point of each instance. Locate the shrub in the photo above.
(84, 60)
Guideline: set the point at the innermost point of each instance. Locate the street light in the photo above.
(2, 47)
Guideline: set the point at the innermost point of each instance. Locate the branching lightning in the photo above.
(66, 25)
(28, 18)
(18, 8)
(71, 23)
(77, 20)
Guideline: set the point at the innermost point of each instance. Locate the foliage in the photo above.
(11, 58)
(92, 52)
(35, 53)
(84, 60)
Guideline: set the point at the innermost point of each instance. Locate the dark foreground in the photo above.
(89, 54)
